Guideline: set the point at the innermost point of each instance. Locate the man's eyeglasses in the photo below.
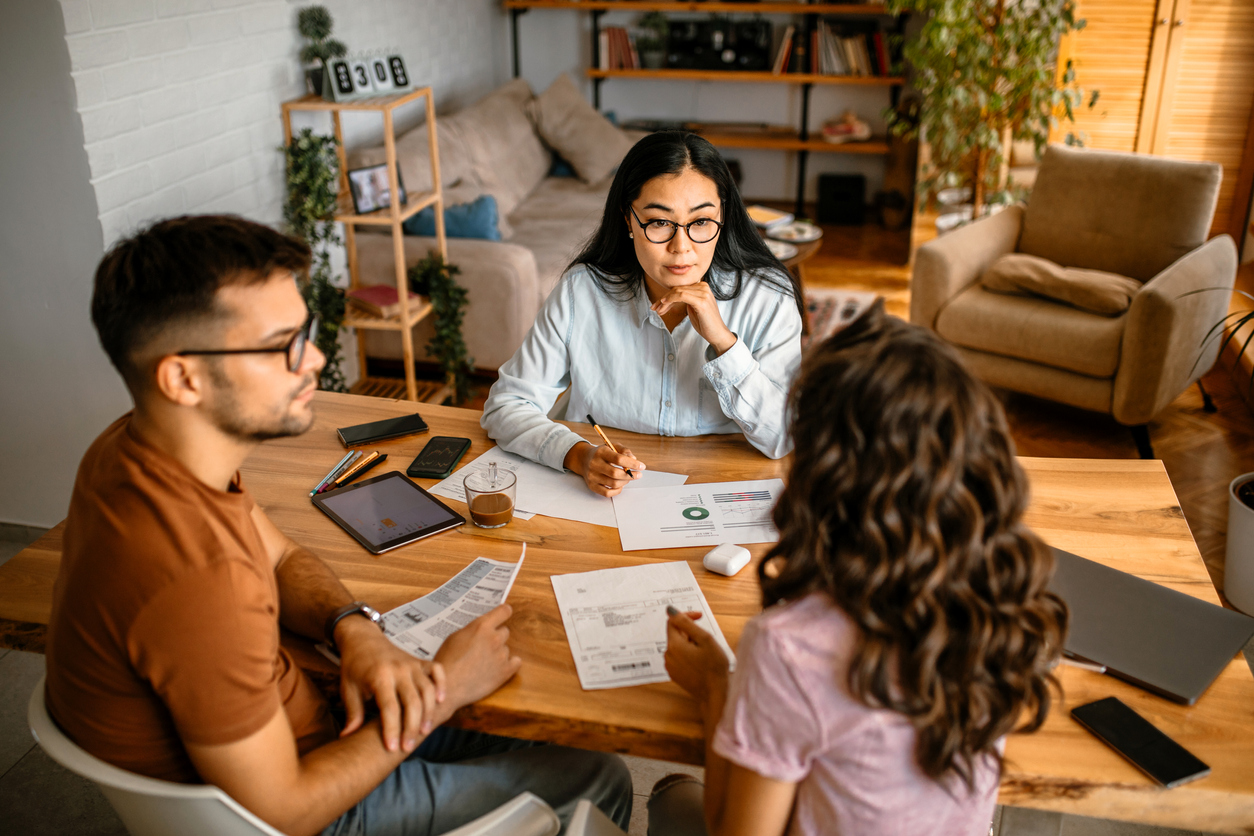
(659, 231)
(294, 349)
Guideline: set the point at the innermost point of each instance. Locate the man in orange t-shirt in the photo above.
(163, 647)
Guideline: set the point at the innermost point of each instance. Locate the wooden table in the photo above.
(1122, 513)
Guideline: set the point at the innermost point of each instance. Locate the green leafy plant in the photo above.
(314, 24)
(987, 72)
(435, 279)
(654, 30)
(312, 189)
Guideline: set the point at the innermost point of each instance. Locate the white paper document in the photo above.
(543, 490)
(422, 625)
(698, 515)
(615, 621)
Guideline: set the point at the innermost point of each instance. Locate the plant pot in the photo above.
(653, 59)
(313, 80)
(1239, 562)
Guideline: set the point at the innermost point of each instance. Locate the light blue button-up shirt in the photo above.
(624, 367)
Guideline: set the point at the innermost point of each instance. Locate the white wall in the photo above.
(57, 390)
(121, 112)
(556, 41)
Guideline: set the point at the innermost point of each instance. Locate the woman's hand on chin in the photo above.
(604, 471)
(702, 311)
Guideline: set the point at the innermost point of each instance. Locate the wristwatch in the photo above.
(355, 608)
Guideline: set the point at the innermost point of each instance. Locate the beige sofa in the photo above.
(1138, 216)
(491, 147)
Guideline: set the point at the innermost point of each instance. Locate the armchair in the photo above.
(1139, 216)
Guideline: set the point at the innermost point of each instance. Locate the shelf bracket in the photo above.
(596, 56)
(803, 155)
(514, 14)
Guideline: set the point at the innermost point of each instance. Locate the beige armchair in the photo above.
(1139, 216)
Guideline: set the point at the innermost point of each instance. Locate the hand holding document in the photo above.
(698, 515)
(543, 490)
(615, 621)
(422, 625)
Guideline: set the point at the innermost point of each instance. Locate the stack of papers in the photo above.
(543, 490)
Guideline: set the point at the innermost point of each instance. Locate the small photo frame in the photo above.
(370, 189)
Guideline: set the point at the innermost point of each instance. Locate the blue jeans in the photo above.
(455, 776)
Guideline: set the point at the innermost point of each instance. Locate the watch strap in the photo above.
(355, 608)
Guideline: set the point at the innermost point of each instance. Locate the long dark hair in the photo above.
(610, 256)
(905, 505)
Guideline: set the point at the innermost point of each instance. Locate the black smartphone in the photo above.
(439, 457)
(382, 430)
(1147, 748)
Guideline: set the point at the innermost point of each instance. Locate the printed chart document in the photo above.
(698, 515)
(615, 621)
(422, 625)
(543, 490)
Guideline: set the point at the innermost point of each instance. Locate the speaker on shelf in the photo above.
(842, 199)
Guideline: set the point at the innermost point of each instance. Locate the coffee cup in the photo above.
(490, 496)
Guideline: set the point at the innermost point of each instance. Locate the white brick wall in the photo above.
(180, 98)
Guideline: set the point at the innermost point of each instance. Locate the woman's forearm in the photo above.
(716, 767)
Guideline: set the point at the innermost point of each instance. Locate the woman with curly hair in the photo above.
(907, 629)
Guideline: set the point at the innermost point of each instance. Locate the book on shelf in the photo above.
(857, 48)
(785, 47)
(617, 49)
(379, 299)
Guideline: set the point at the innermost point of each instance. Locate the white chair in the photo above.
(149, 807)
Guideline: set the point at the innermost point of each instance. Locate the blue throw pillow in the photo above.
(477, 219)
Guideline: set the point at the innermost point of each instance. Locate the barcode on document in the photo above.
(629, 666)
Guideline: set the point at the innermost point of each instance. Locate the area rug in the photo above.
(830, 309)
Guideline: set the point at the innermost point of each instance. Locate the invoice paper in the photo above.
(543, 490)
(698, 515)
(615, 621)
(422, 625)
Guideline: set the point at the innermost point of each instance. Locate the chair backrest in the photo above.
(1131, 214)
(147, 806)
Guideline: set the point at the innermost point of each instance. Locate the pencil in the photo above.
(331, 473)
(352, 471)
(359, 472)
(606, 438)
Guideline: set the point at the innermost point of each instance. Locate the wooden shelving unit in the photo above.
(795, 140)
(393, 216)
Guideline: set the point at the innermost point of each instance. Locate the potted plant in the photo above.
(312, 190)
(651, 41)
(314, 24)
(433, 278)
(987, 75)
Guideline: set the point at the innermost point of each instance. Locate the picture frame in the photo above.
(370, 189)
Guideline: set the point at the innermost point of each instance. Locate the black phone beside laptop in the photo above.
(359, 434)
(1134, 737)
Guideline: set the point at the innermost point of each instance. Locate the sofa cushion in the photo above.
(1037, 330)
(411, 153)
(1107, 294)
(574, 129)
(1131, 214)
(554, 222)
(507, 157)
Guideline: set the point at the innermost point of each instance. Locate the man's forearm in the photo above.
(308, 592)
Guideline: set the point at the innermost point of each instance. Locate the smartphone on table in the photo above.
(1147, 748)
(438, 459)
(382, 430)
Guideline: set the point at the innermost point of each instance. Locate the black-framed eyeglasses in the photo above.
(294, 349)
(659, 231)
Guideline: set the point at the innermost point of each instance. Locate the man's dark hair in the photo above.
(169, 274)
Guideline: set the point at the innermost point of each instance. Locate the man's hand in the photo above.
(604, 471)
(694, 660)
(406, 689)
(702, 312)
(476, 659)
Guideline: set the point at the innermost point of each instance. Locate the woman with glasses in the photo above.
(675, 319)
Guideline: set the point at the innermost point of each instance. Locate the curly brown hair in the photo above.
(904, 504)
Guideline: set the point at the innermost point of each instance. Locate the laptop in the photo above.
(1164, 641)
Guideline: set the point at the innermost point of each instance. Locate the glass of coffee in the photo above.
(490, 496)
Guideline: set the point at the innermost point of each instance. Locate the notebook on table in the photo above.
(1167, 642)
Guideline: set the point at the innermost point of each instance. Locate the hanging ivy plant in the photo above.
(312, 189)
(433, 278)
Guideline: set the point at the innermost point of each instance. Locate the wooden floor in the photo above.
(1202, 452)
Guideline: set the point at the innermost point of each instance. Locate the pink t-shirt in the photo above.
(790, 717)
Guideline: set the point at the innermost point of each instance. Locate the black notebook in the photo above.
(1162, 640)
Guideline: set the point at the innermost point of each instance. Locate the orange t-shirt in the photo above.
(165, 617)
